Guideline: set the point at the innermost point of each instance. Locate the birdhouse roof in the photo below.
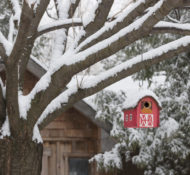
(133, 97)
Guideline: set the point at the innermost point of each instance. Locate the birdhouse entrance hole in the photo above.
(146, 104)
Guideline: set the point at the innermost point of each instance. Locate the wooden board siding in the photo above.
(29, 82)
(71, 124)
(70, 135)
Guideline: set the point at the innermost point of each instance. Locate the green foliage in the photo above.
(43, 48)
(175, 98)
(5, 13)
(110, 104)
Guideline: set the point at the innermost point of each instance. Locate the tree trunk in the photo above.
(128, 168)
(20, 157)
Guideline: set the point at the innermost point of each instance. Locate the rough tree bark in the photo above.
(20, 157)
(19, 154)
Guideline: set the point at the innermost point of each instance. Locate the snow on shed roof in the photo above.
(135, 96)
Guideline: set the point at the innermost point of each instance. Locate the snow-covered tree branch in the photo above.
(174, 28)
(84, 34)
(90, 56)
(75, 93)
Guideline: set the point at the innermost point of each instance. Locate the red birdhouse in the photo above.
(143, 114)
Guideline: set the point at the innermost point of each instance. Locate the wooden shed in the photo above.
(71, 139)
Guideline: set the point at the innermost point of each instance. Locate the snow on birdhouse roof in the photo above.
(134, 96)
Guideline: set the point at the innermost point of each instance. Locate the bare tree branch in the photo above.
(172, 19)
(113, 75)
(71, 13)
(60, 24)
(69, 10)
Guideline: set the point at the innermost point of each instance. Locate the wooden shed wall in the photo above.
(70, 135)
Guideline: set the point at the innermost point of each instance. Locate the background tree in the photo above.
(84, 36)
(161, 151)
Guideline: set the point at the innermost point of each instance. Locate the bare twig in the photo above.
(62, 24)
(50, 16)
